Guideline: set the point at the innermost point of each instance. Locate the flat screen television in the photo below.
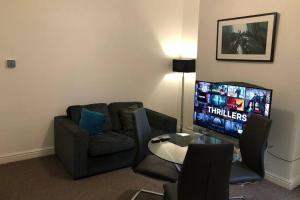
(225, 107)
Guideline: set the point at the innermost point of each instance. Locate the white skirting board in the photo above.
(283, 182)
(24, 155)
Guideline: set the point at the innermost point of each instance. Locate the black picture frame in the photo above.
(247, 38)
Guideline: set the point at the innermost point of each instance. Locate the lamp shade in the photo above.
(184, 65)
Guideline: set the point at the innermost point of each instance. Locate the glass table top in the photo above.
(175, 148)
(184, 139)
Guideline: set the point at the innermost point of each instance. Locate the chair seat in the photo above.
(109, 143)
(170, 191)
(240, 173)
(156, 167)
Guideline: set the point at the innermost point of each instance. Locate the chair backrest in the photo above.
(253, 142)
(143, 134)
(205, 172)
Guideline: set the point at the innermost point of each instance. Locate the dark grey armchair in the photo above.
(84, 155)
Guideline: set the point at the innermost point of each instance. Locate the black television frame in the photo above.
(233, 83)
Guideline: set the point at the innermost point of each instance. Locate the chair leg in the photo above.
(242, 185)
(178, 167)
(240, 197)
(147, 191)
(246, 183)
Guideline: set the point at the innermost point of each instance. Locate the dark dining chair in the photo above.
(145, 162)
(252, 144)
(204, 175)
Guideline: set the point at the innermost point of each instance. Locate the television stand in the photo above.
(208, 132)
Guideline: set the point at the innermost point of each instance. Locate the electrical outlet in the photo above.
(11, 63)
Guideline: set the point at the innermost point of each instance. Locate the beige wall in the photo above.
(189, 41)
(281, 76)
(83, 51)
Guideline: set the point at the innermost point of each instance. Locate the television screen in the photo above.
(225, 108)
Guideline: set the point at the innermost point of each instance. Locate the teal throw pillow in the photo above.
(92, 121)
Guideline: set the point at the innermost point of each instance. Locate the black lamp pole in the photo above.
(184, 66)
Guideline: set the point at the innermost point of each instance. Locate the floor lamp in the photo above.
(184, 66)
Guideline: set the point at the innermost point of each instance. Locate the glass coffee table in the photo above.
(174, 149)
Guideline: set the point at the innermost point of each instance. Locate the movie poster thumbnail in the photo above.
(258, 95)
(204, 87)
(203, 97)
(217, 123)
(202, 118)
(236, 91)
(202, 108)
(258, 107)
(219, 89)
(218, 100)
(235, 104)
(232, 127)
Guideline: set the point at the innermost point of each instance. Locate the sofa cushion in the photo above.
(92, 121)
(131, 133)
(126, 117)
(74, 113)
(109, 143)
(114, 110)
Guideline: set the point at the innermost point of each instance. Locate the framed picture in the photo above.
(248, 38)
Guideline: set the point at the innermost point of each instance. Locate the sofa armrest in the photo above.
(71, 145)
(161, 121)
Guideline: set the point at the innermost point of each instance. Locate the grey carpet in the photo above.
(46, 179)
(148, 196)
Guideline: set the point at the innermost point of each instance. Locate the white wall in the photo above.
(78, 52)
(281, 76)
